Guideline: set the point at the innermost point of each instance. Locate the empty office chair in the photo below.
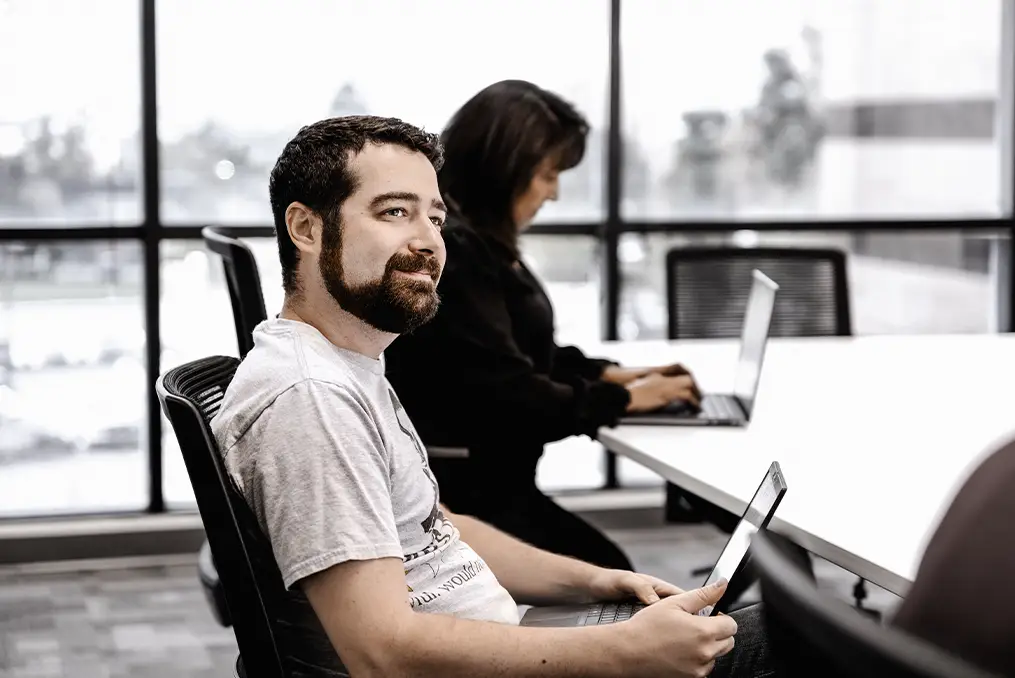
(707, 290)
(243, 281)
(271, 625)
(813, 634)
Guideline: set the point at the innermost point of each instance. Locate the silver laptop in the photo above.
(719, 409)
(731, 566)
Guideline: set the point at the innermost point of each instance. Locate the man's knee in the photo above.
(750, 625)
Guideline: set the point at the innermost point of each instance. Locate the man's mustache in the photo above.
(415, 263)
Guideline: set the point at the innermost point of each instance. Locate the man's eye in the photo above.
(437, 221)
(397, 212)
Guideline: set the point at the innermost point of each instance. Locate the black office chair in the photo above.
(244, 284)
(707, 289)
(270, 624)
(813, 634)
(243, 281)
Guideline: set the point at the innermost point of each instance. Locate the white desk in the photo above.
(874, 435)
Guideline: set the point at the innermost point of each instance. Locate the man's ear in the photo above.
(304, 227)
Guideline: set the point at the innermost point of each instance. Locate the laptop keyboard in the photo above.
(610, 613)
(719, 407)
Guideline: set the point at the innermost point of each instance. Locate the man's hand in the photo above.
(621, 584)
(670, 639)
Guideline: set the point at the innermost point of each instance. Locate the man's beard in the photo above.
(392, 303)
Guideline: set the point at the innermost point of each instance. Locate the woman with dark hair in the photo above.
(486, 374)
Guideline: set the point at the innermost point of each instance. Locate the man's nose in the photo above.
(432, 250)
(428, 241)
(420, 247)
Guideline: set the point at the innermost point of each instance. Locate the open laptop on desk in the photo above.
(733, 409)
(731, 565)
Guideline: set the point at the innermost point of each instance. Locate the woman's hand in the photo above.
(615, 374)
(655, 391)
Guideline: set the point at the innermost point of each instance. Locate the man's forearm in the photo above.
(437, 645)
(532, 576)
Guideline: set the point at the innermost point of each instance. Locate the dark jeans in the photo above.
(750, 657)
(519, 508)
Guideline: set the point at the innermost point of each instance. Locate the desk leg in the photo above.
(1004, 277)
(859, 595)
(610, 465)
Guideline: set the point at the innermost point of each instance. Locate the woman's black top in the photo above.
(486, 373)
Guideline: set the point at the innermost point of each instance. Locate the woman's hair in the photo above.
(493, 146)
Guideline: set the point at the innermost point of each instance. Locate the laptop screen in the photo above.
(753, 337)
(755, 518)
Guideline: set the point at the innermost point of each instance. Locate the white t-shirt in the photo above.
(321, 449)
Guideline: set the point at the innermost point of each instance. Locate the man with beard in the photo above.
(322, 451)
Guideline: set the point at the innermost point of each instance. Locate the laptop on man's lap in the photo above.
(735, 409)
(731, 565)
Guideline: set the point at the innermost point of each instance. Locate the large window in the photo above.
(72, 378)
(733, 112)
(69, 112)
(736, 109)
(230, 99)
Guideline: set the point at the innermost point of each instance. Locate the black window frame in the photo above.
(151, 232)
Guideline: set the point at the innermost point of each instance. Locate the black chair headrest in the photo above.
(243, 281)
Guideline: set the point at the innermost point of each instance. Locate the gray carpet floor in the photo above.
(153, 621)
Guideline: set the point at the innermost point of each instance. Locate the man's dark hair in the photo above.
(493, 146)
(314, 169)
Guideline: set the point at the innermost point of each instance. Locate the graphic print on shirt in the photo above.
(435, 524)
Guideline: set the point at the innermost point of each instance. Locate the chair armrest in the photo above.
(448, 452)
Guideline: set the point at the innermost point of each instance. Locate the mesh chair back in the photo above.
(243, 281)
(813, 634)
(708, 288)
(191, 395)
(277, 631)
